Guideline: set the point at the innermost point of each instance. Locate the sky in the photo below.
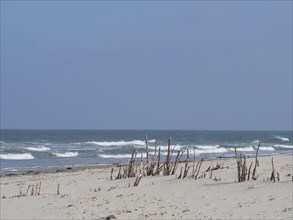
(190, 65)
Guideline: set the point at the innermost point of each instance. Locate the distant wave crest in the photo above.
(115, 155)
(66, 154)
(283, 146)
(39, 149)
(116, 143)
(282, 138)
(25, 156)
(211, 151)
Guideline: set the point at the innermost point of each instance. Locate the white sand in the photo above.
(160, 197)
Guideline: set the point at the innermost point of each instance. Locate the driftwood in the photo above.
(137, 180)
(119, 176)
(248, 175)
(158, 164)
(147, 153)
(278, 176)
(58, 189)
(180, 175)
(254, 177)
(244, 169)
(273, 177)
(198, 169)
(241, 167)
(185, 169)
(131, 172)
(167, 166)
(176, 162)
(238, 165)
(111, 176)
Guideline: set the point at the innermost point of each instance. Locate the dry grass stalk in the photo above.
(27, 190)
(176, 163)
(131, 172)
(180, 175)
(199, 166)
(254, 177)
(147, 152)
(158, 164)
(185, 169)
(244, 169)
(58, 189)
(248, 176)
(137, 180)
(119, 176)
(168, 160)
(273, 177)
(111, 176)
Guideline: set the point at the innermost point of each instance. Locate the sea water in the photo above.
(23, 150)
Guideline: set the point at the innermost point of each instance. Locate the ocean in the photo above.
(26, 150)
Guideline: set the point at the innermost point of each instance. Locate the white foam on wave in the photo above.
(2, 142)
(283, 146)
(207, 147)
(39, 149)
(266, 149)
(211, 151)
(165, 147)
(116, 143)
(115, 155)
(25, 156)
(282, 138)
(66, 154)
(242, 149)
(152, 141)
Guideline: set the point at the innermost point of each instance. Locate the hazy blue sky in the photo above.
(146, 65)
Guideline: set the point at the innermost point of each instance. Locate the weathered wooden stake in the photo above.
(249, 171)
(254, 177)
(58, 186)
(111, 176)
(273, 177)
(137, 180)
(200, 163)
(179, 177)
(158, 164)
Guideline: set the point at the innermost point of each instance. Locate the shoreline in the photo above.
(63, 169)
(90, 194)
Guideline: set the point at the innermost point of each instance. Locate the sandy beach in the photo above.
(90, 194)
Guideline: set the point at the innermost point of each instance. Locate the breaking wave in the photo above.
(116, 143)
(242, 149)
(66, 154)
(165, 147)
(39, 149)
(211, 151)
(115, 155)
(282, 138)
(266, 149)
(25, 156)
(283, 146)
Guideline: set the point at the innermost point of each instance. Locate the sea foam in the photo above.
(115, 155)
(39, 149)
(25, 156)
(242, 149)
(211, 151)
(116, 143)
(282, 138)
(266, 149)
(283, 146)
(66, 154)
